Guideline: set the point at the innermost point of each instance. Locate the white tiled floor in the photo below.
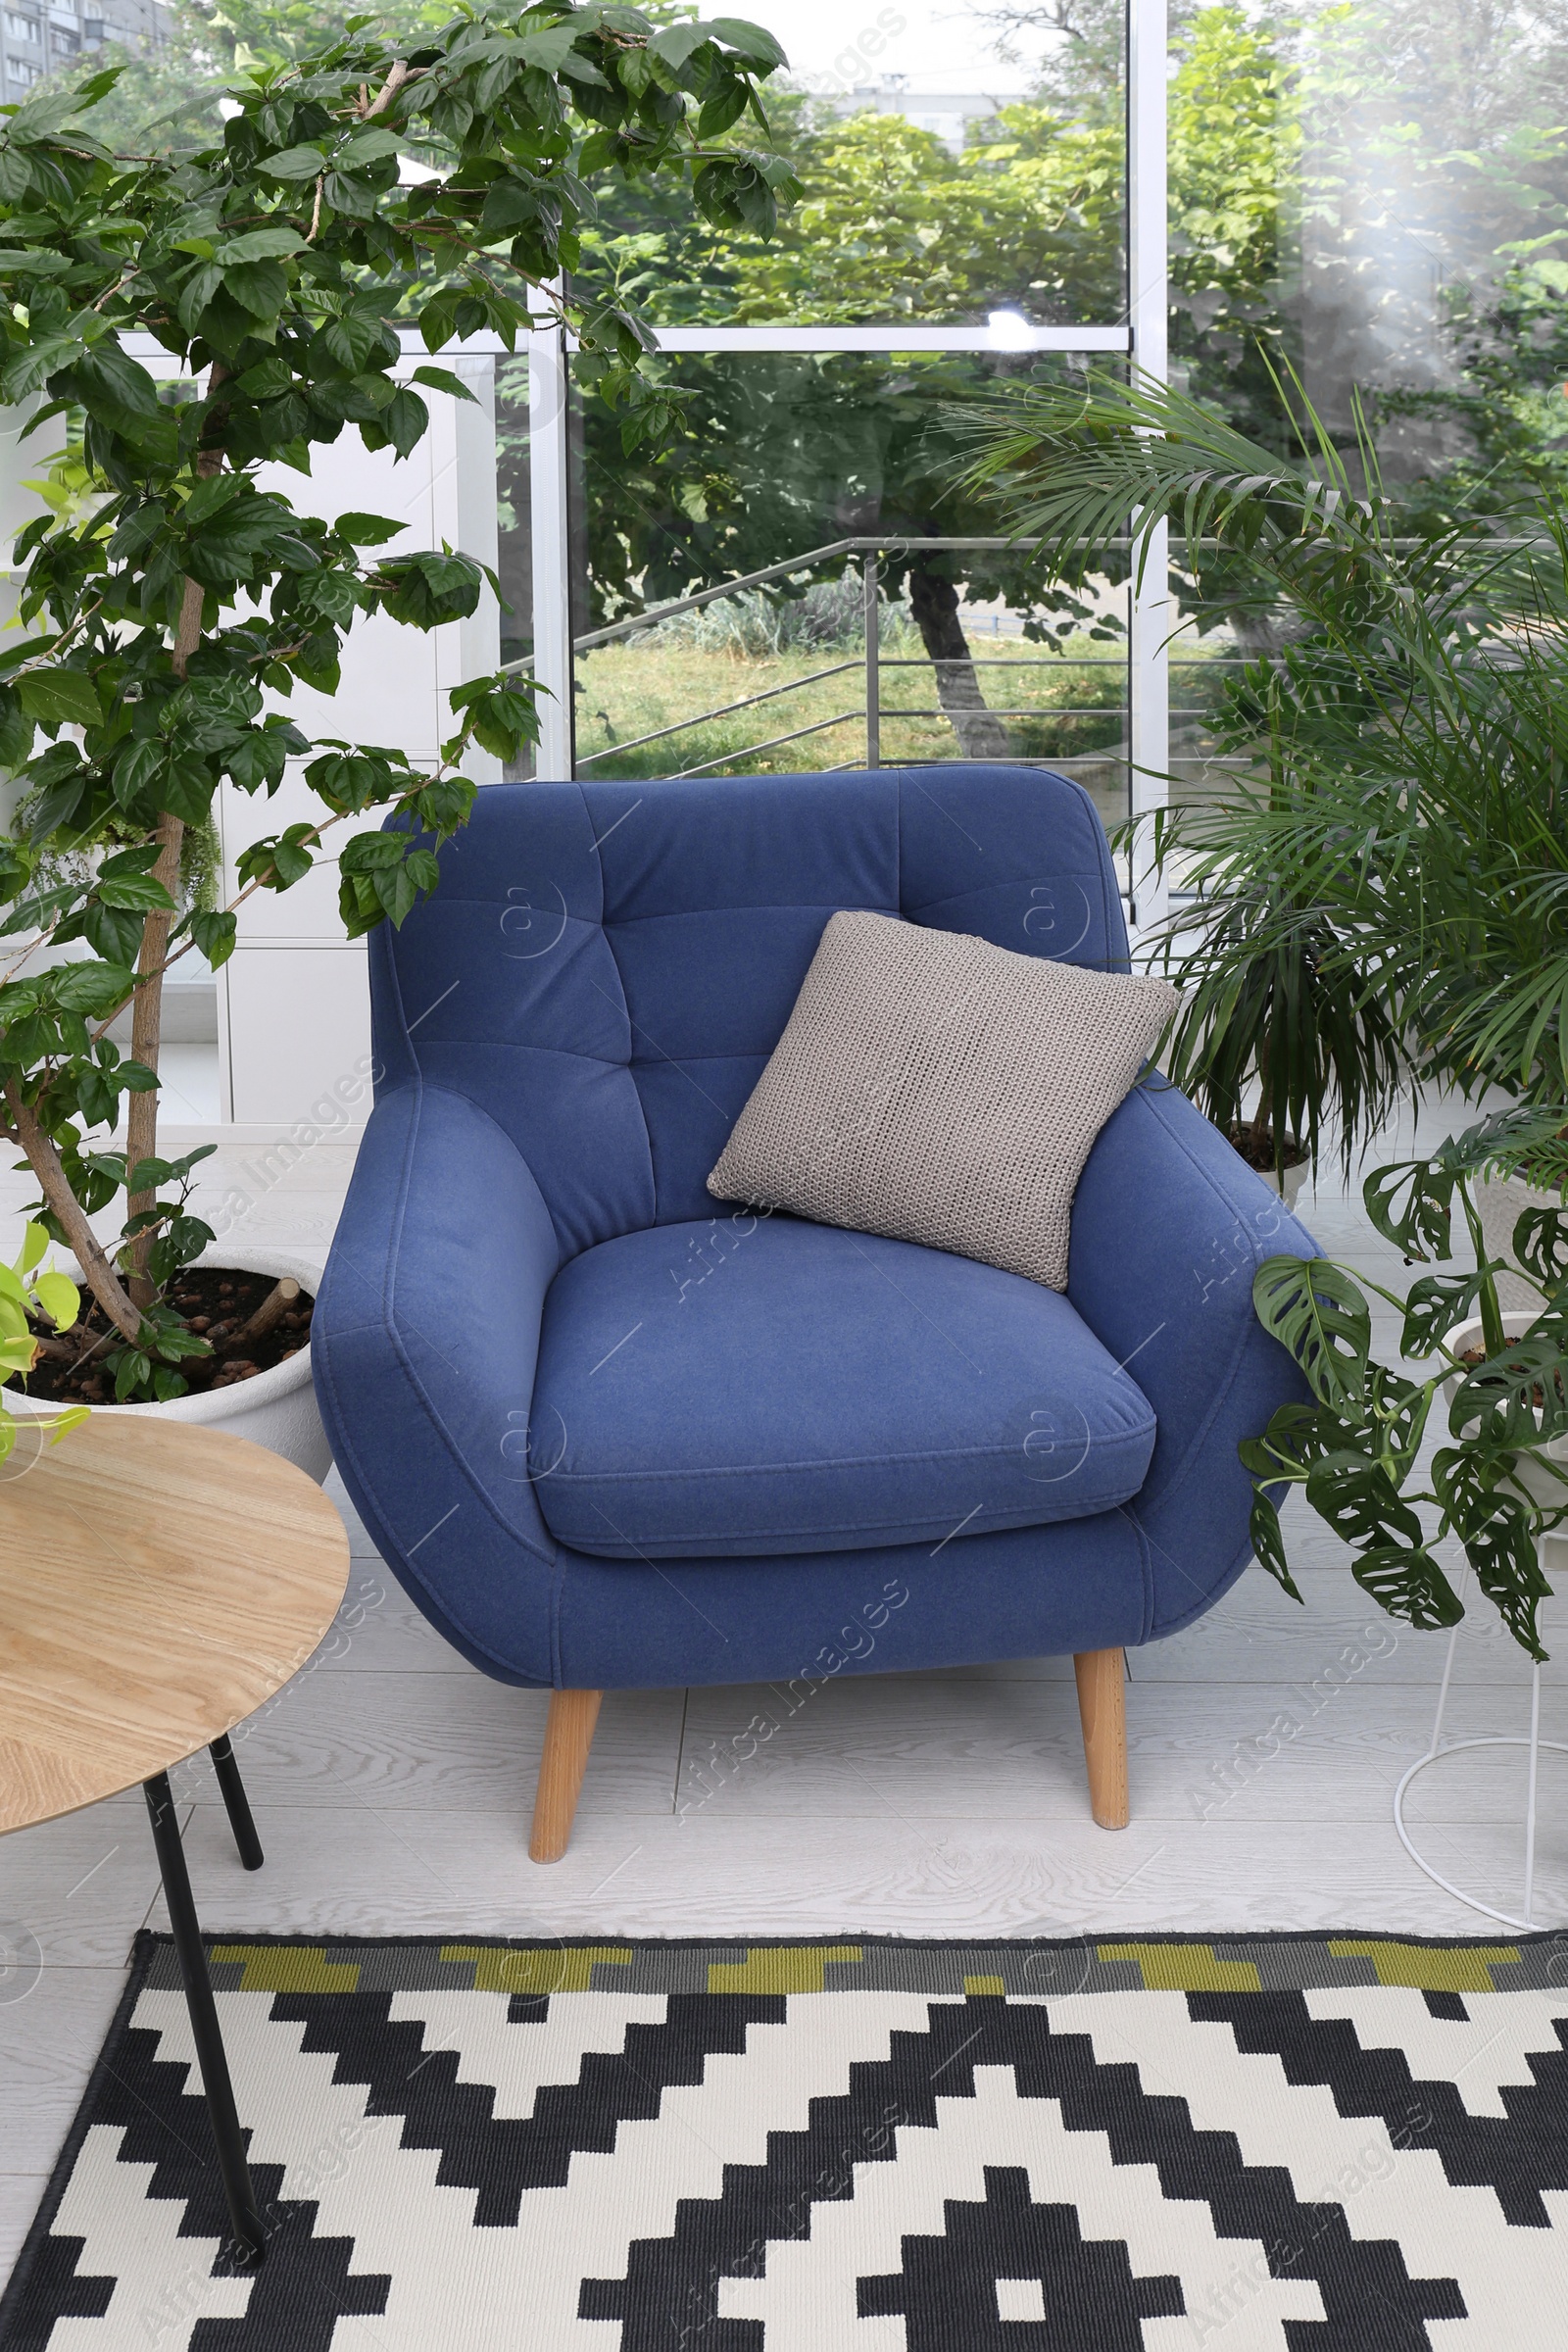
(392, 1786)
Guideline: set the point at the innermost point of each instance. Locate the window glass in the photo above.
(790, 464)
(947, 173)
(1366, 212)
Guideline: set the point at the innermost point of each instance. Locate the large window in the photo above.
(791, 581)
(1365, 211)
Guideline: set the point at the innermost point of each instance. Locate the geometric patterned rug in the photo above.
(1262, 2144)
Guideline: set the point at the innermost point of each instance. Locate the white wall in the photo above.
(293, 1015)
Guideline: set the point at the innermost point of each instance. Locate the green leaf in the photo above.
(425, 590)
(676, 43)
(91, 988)
(35, 1242)
(1408, 1582)
(1268, 1544)
(353, 339)
(1320, 1315)
(58, 1297)
(750, 41)
(371, 146)
(1517, 1397)
(551, 48)
(213, 932)
(26, 369)
(1433, 1305)
(196, 293)
(1419, 1225)
(294, 162)
(1498, 1540)
(131, 890)
(113, 933)
(722, 108)
(261, 245)
(40, 116)
(59, 696)
(261, 286)
(442, 379)
(137, 769)
(503, 719)
(367, 530)
(209, 496)
(17, 730)
(1298, 1435)
(116, 386)
(1361, 1501)
(16, 174)
(402, 422)
(1541, 1244)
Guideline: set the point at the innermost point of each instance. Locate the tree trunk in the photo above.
(96, 1271)
(934, 606)
(147, 1009)
(147, 1013)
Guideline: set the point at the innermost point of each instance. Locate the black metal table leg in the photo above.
(238, 1803)
(248, 2229)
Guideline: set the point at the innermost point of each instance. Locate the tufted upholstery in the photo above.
(608, 985)
(565, 1030)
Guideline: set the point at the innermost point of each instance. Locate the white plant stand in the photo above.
(1435, 1750)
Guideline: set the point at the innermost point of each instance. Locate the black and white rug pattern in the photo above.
(1283, 2145)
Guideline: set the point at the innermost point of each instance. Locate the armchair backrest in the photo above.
(605, 968)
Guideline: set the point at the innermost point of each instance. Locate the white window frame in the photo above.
(1142, 333)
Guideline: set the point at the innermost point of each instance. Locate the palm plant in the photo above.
(1385, 898)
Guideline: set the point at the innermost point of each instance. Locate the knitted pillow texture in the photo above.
(938, 1089)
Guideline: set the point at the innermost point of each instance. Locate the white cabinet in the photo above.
(293, 1012)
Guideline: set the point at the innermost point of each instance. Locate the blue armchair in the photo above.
(609, 1433)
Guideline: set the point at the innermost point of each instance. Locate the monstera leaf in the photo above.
(1315, 1310)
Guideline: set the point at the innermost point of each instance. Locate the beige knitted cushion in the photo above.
(936, 1088)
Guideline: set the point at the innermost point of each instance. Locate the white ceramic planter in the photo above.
(1500, 1202)
(1289, 1189)
(277, 1409)
(1531, 1479)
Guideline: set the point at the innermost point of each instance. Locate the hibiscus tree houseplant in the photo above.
(165, 627)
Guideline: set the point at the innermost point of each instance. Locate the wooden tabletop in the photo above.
(157, 1584)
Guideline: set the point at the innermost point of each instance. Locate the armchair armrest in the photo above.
(1168, 1228)
(423, 1344)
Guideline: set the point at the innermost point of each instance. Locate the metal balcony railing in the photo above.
(869, 710)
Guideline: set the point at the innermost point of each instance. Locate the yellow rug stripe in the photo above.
(289, 1968)
(552, 1968)
(1424, 1969)
(1186, 1967)
(779, 1968)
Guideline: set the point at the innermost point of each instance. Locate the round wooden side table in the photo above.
(157, 1584)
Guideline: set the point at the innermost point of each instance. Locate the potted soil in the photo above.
(165, 633)
(1256, 1147)
(254, 1307)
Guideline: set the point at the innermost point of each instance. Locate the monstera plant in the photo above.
(167, 617)
(1499, 1482)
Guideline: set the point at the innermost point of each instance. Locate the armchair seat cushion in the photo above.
(747, 1386)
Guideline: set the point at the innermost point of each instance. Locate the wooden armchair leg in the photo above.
(569, 1735)
(1102, 1710)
